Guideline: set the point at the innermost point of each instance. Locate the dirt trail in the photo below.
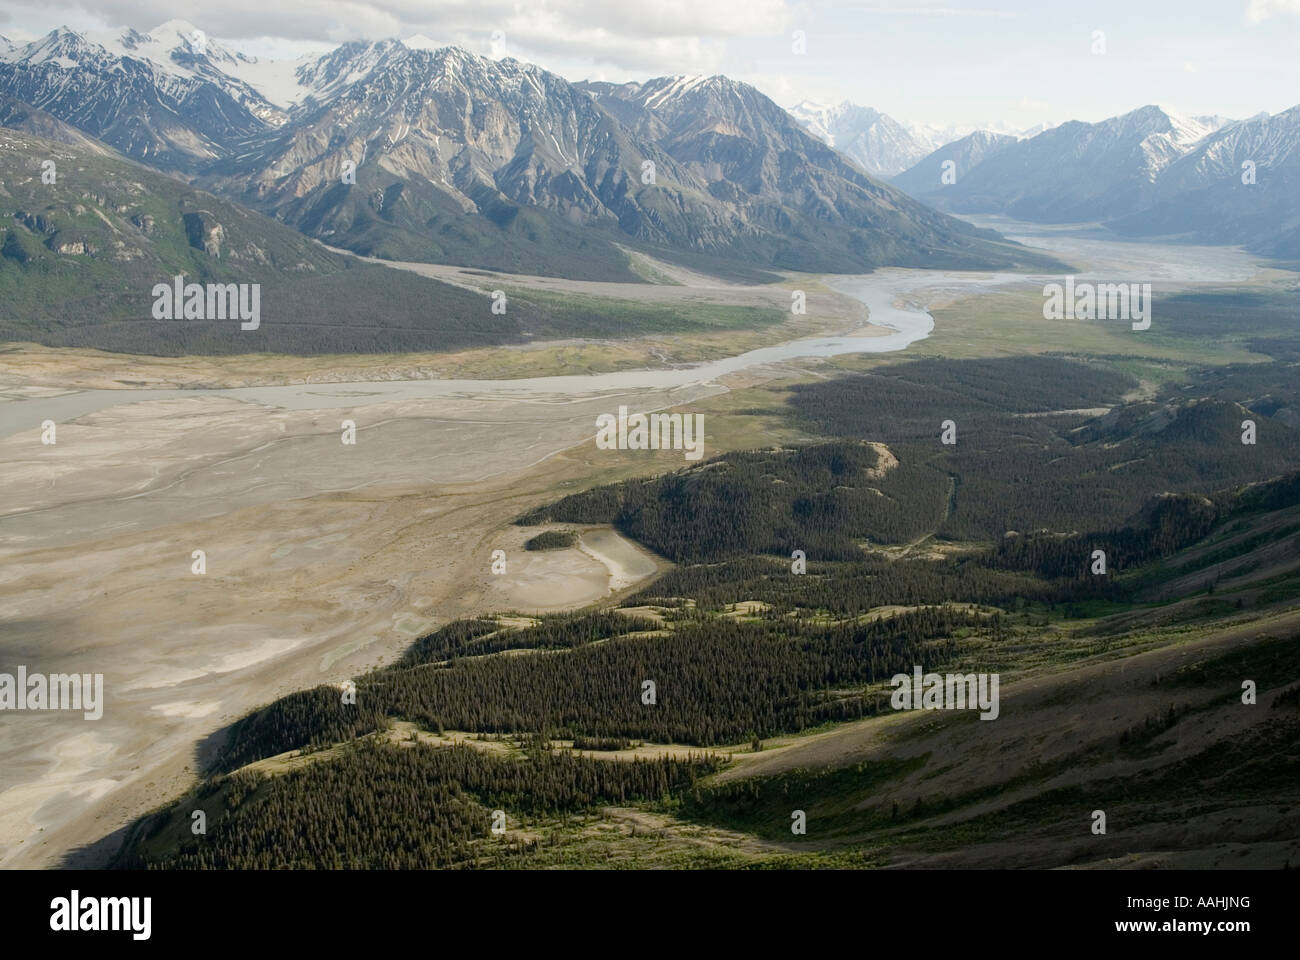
(912, 546)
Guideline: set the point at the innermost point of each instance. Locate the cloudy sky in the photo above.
(1012, 62)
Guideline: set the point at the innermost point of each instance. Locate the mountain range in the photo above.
(1147, 173)
(1077, 171)
(406, 151)
(1204, 194)
(883, 146)
(413, 151)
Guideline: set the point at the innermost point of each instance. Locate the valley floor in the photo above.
(314, 576)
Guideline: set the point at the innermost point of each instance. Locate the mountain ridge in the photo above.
(490, 163)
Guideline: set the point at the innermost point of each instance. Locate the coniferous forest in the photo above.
(1031, 453)
(405, 806)
(784, 611)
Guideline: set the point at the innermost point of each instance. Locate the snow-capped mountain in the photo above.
(1147, 173)
(879, 144)
(444, 137)
(886, 147)
(1079, 171)
(413, 150)
(935, 136)
(161, 97)
(1238, 185)
(746, 151)
(317, 78)
(425, 152)
(932, 136)
(1266, 141)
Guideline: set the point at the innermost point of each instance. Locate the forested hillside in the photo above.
(401, 807)
(806, 576)
(1041, 443)
(804, 656)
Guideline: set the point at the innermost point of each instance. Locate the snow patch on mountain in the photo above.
(878, 143)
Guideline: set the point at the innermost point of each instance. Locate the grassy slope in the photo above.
(1195, 786)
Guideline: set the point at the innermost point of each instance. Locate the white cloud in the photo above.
(939, 61)
(1257, 11)
(938, 12)
(650, 37)
(336, 20)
